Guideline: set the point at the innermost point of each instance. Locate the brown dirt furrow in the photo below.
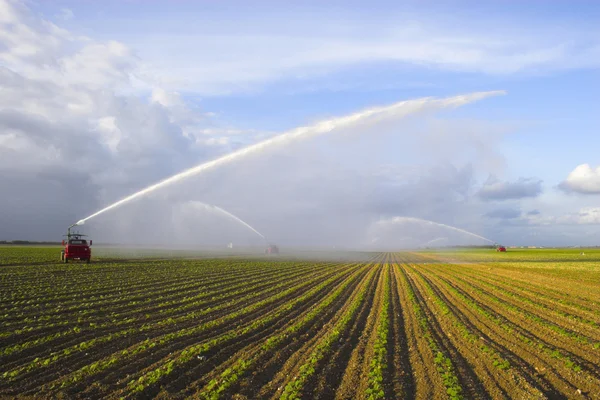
(272, 362)
(471, 383)
(401, 370)
(427, 381)
(563, 284)
(211, 360)
(258, 384)
(289, 369)
(199, 376)
(352, 372)
(528, 315)
(518, 381)
(553, 298)
(325, 384)
(527, 345)
(530, 303)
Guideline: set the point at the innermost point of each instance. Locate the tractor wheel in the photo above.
(66, 259)
(88, 260)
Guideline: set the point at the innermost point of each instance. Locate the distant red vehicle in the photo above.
(272, 249)
(76, 248)
(501, 248)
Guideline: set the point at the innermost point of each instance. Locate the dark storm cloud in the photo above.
(495, 189)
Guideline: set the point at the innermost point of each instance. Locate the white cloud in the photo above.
(67, 123)
(583, 179)
(98, 65)
(585, 216)
(110, 132)
(495, 189)
(245, 57)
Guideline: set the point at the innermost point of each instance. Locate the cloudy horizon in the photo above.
(99, 100)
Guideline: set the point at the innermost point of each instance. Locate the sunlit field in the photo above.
(457, 324)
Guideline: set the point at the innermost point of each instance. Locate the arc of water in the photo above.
(400, 109)
(396, 220)
(435, 240)
(230, 215)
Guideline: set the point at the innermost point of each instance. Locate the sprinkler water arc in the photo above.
(398, 110)
(401, 220)
(234, 217)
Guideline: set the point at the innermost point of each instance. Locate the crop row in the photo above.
(401, 325)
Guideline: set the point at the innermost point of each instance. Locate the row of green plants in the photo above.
(295, 388)
(511, 328)
(378, 365)
(151, 343)
(231, 376)
(111, 310)
(180, 360)
(78, 284)
(465, 332)
(13, 254)
(137, 316)
(496, 292)
(147, 327)
(442, 361)
(547, 299)
(131, 290)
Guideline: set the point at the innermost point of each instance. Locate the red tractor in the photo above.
(75, 248)
(272, 249)
(501, 249)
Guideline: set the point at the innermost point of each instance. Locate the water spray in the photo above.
(401, 220)
(397, 110)
(440, 239)
(229, 215)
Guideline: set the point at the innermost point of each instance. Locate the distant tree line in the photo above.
(485, 246)
(22, 242)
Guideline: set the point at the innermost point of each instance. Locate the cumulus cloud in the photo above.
(494, 189)
(583, 179)
(585, 216)
(69, 133)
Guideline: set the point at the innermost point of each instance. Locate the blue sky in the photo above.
(241, 72)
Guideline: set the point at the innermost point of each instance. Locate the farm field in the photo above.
(472, 324)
